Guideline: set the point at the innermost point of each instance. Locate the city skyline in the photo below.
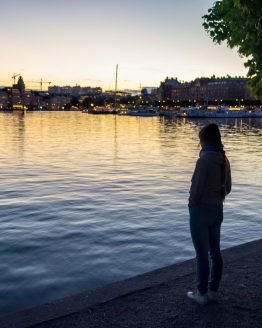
(80, 42)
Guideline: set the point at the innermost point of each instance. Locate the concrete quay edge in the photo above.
(75, 303)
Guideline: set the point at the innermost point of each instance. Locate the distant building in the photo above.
(28, 99)
(16, 98)
(205, 89)
(228, 89)
(13, 97)
(88, 91)
(52, 102)
(54, 90)
(35, 100)
(74, 91)
(166, 88)
(4, 99)
(57, 90)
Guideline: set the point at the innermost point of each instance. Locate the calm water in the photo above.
(86, 200)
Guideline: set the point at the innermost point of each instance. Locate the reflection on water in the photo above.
(86, 200)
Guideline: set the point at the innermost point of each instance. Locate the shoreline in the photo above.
(170, 282)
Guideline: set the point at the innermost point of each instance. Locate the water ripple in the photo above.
(87, 200)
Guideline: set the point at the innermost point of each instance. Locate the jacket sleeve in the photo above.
(228, 183)
(198, 182)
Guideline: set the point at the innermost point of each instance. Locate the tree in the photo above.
(239, 23)
(87, 102)
(74, 101)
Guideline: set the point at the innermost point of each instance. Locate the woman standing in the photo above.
(210, 184)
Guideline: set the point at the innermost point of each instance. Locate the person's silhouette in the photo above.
(210, 184)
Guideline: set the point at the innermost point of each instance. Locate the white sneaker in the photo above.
(212, 296)
(198, 297)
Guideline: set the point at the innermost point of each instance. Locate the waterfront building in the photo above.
(13, 97)
(54, 103)
(228, 89)
(64, 100)
(205, 89)
(58, 102)
(16, 98)
(27, 99)
(166, 88)
(35, 100)
(54, 90)
(74, 91)
(4, 101)
(57, 90)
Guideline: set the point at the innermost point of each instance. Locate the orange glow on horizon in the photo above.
(69, 49)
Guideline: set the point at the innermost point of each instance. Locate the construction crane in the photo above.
(41, 82)
(15, 75)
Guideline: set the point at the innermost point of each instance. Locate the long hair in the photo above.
(210, 135)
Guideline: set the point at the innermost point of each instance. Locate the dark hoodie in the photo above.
(206, 180)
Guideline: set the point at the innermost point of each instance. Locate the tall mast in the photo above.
(116, 84)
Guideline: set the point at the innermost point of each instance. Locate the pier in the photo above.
(158, 299)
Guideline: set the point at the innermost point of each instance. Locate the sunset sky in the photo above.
(81, 41)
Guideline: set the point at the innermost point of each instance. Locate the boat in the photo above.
(224, 112)
(169, 112)
(143, 111)
(195, 112)
(123, 111)
(101, 110)
(254, 112)
(218, 112)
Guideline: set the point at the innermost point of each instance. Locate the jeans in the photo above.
(205, 224)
